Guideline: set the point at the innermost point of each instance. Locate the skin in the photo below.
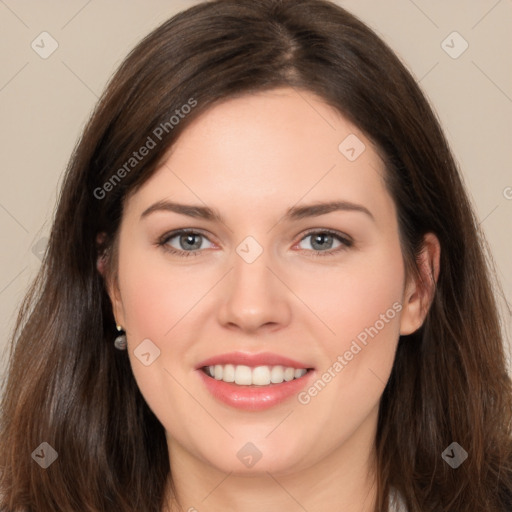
(251, 159)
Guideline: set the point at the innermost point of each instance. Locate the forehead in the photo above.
(283, 144)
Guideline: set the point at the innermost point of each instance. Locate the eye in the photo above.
(189, 242)
(324, 240)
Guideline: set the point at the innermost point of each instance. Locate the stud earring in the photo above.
(120, 341)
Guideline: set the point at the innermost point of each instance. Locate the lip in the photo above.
(253, 360)
(254, 398)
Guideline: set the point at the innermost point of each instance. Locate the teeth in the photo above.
(261, 376)
(298, 373)
(228, 375)
(277, 375)
(258, 376)
(289, 374)
(243, 375)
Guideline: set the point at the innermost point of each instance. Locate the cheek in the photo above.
(371, 300)
(156, 294)
(353, 295)
(160, 301)
(148, 305)
(361, 305)
(153, 303)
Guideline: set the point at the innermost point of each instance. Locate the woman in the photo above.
(265, 207)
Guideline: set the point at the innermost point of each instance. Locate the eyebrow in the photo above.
(293, 213)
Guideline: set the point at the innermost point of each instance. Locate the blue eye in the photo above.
(186, 238)
(324, 239)
(191, 246)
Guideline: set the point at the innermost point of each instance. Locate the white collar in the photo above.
(396, 502)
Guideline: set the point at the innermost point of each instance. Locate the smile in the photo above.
(254, 382)
(243, 375)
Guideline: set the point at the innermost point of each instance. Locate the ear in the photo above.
(419, 294)
(110, 281)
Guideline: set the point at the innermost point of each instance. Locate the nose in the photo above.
(256, 296)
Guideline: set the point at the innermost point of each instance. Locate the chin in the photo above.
(257, 457)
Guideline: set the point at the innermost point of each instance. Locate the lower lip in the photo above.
(254, 398)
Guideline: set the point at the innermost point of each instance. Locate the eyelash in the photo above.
(162, 242)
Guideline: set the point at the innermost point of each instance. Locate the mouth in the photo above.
(254, 382)
(243, 375)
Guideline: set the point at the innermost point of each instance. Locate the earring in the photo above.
(120, 341)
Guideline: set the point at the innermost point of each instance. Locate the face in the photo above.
(270, 280)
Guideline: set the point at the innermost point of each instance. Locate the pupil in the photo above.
(321, 240)
(189, 238)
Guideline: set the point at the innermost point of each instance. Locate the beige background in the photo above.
(45, 103)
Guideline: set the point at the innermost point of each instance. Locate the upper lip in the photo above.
(250, 359)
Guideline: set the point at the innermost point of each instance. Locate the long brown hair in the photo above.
(69, 387)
